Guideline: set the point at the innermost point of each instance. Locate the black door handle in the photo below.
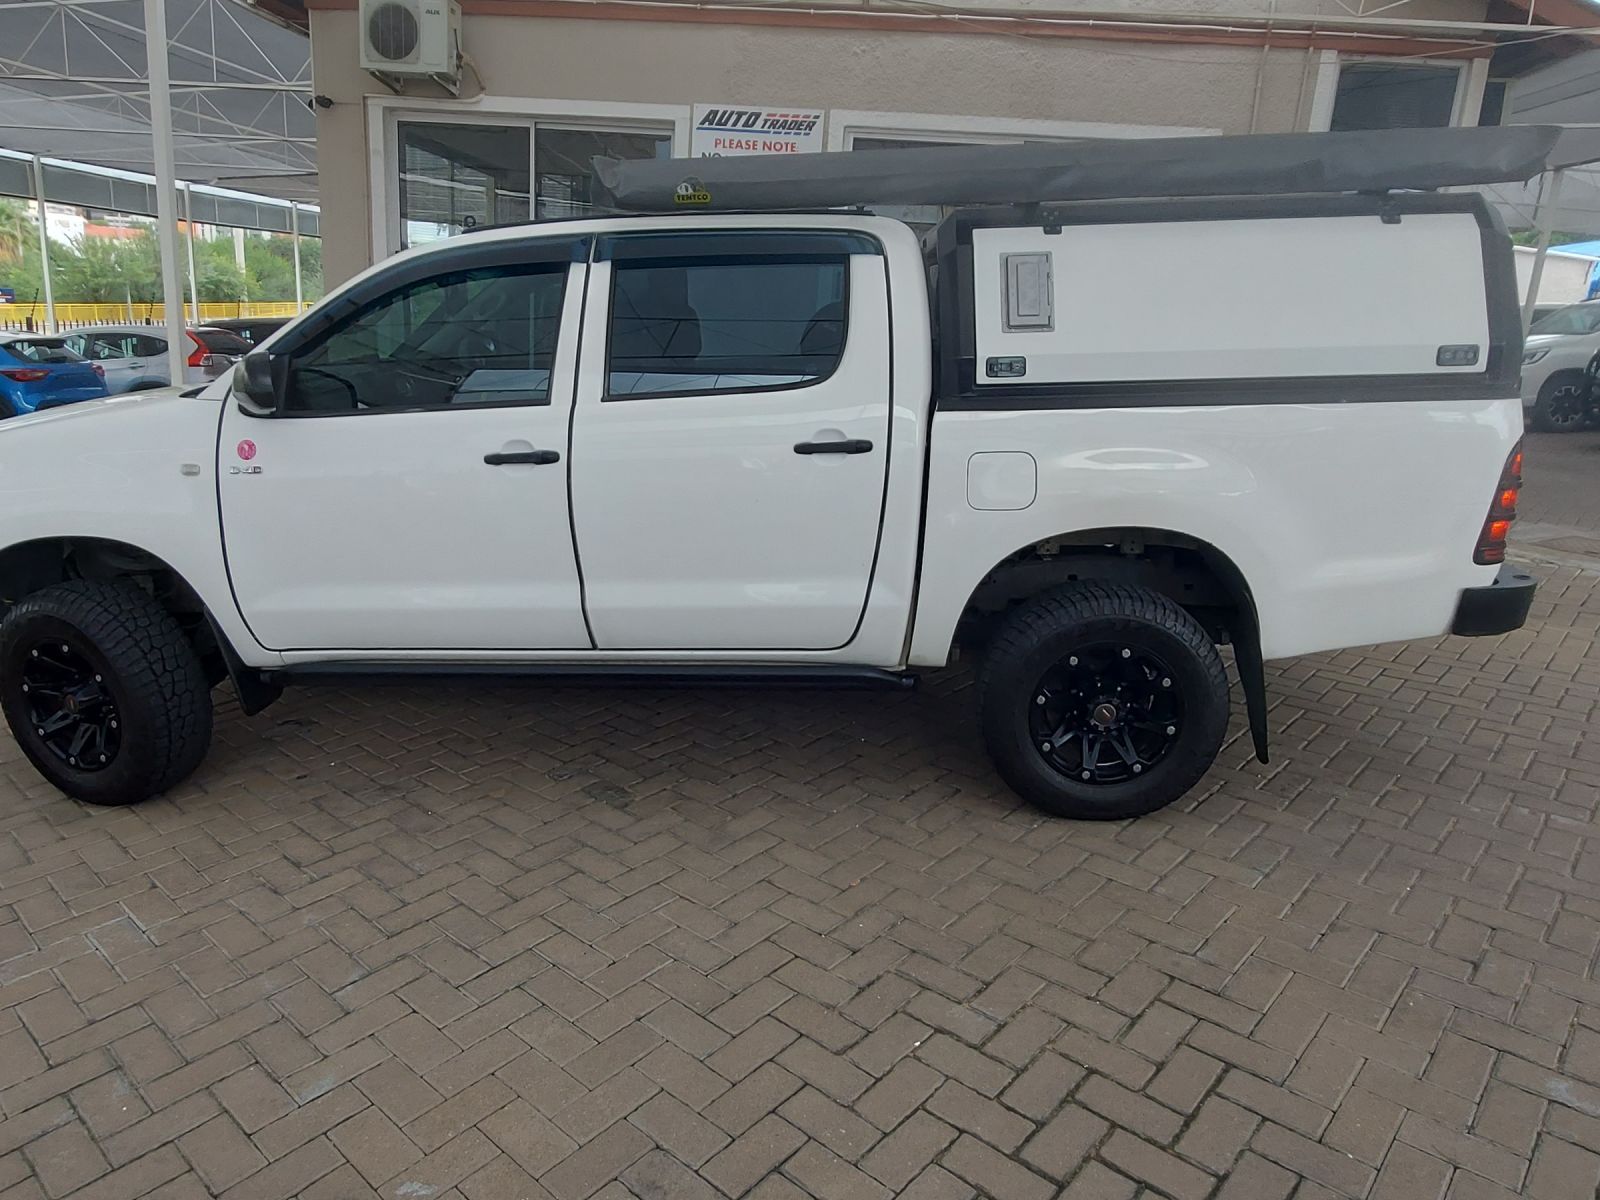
(848, 446)
(538, 458)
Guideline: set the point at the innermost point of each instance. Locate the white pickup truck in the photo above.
(1091, 441)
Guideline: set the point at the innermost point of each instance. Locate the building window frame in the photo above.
(1472, 75)
(386, 113)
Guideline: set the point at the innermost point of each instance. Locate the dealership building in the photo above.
(544, 85)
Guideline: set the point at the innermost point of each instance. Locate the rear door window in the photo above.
(112, 346)
(703, 327)
(43, 350)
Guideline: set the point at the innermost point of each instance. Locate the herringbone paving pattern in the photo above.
(495, 943)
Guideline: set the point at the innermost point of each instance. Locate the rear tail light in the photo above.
(198, 357)
(1491, 548)
(25, 374)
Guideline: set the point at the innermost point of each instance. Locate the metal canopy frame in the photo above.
(198, 91)
(74, 84)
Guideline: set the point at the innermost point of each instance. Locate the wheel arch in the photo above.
(28, 566)
(1193, 572)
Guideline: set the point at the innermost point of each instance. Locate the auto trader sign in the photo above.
(723, 131)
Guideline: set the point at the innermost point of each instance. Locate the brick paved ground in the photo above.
(487, 943)
(1563, 492)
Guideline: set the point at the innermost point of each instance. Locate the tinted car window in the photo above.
(1575, 318)
(222, 341)
(42, 350)
(104, 346)
(468, 338)
(145, 346)
(701, 327)
(256, 332)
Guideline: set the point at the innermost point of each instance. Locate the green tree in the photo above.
(104, 270)
(269, 266)
(17, 229)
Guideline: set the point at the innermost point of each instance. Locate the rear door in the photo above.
(730, 438)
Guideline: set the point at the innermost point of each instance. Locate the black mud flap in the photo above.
(254, 690)
(1252, 678)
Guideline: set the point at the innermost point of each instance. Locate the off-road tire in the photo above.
(1043, 631)
(1560, 406)
(151, 670)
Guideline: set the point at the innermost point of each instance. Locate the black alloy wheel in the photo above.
(1102, 701)
(1563, 404)
(104, 692)
(1106, 713)
(69, 705)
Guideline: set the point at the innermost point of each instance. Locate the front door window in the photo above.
(467, 338)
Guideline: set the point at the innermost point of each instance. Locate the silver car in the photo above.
(134, 357)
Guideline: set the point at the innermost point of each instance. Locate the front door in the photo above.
(730, 443)
(411, 494)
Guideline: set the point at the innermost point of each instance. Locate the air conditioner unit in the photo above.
(409, 39)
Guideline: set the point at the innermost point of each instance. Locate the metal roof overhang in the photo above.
(73, 86)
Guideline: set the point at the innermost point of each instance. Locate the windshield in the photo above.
(1575, 318)
(42, 350)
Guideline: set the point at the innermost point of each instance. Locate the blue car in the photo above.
(40, 372)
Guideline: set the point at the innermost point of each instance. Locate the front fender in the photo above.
(138, 469)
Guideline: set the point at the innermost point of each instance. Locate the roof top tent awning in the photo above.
(1245, 165)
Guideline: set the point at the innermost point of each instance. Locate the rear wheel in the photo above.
(102, 691)
(1562, 403)
(1102, 701)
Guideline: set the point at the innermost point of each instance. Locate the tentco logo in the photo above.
(247, 449)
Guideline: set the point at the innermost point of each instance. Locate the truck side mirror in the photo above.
(253, 385)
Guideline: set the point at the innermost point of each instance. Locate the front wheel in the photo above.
(1102, 701)
(1562, 405)
(102, 691)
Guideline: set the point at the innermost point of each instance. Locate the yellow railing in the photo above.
(32, 316)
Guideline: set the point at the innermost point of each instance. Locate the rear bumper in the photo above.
(1498, 608)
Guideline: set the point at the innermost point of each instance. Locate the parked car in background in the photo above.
(254, 330)
(41, 372)
(1554, 357)
(134, 357)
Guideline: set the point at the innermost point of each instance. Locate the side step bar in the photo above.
(821, 675)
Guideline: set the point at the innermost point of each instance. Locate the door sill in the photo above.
(819, 675)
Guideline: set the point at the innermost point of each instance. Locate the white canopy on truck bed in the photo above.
(1249, 165)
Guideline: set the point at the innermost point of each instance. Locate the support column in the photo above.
(155, 47)
(44, 247)
(1543, 220)
(238, 261)
(188, 228)
(294, 233)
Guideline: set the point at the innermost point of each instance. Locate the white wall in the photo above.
(1565, 279)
